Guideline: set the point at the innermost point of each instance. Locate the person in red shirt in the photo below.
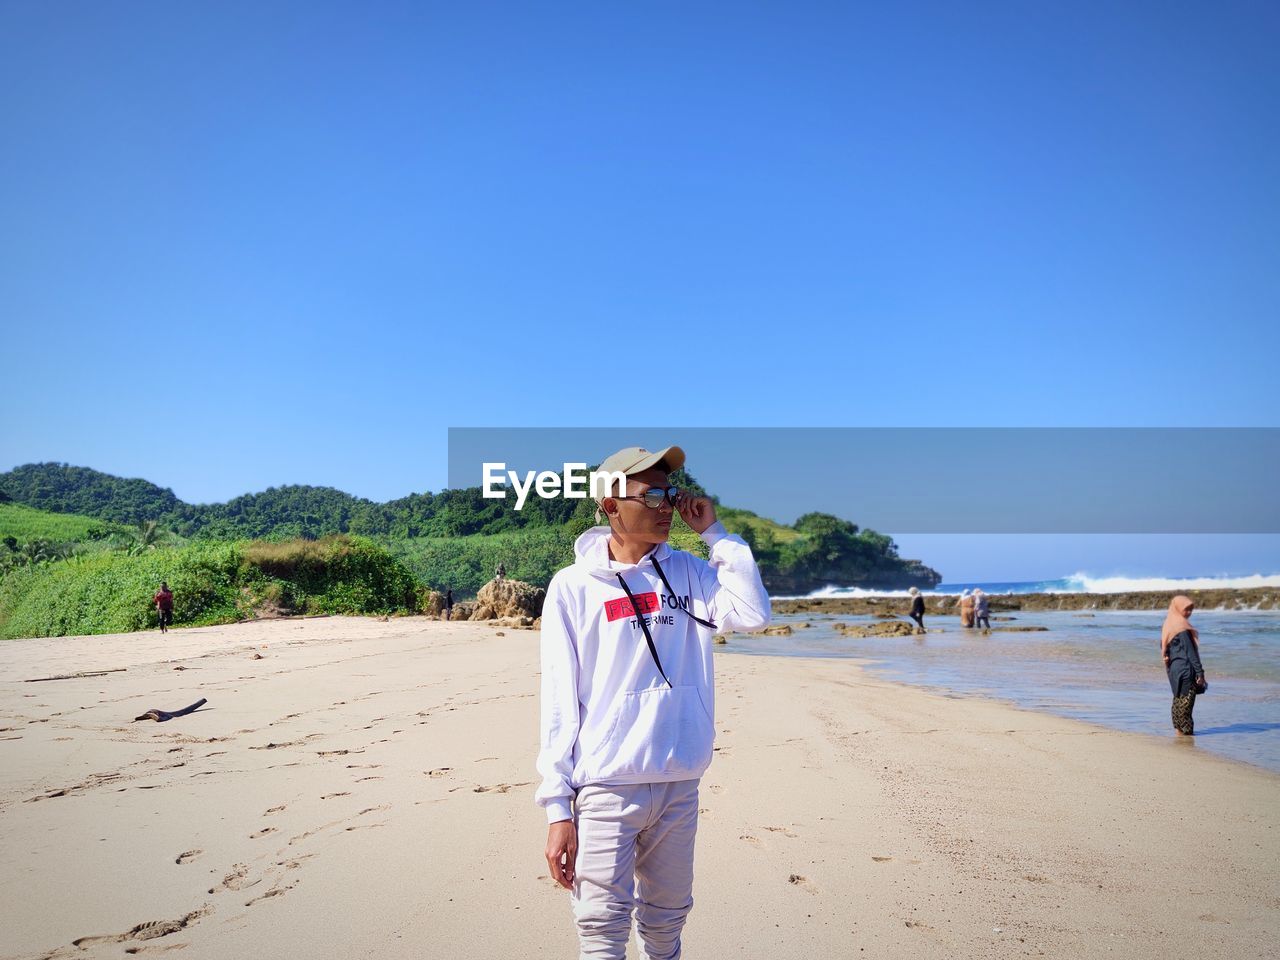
(164, 606)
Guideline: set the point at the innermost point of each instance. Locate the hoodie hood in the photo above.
(591, 555)
(607, 715)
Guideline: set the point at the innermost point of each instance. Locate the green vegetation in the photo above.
(23, 524)
(278, 512)
(66, 489)
(338, 574)
(31, 537)
(317, 549)
(111, 592)
(532, 554)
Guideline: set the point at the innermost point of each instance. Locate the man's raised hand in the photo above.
(698, 512)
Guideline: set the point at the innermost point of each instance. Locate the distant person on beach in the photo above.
(966, 609)
(628, 704)
(448, 603)
(501, 571)
(981, 609)
(1180, 649)
(917, 607)
(163, 601)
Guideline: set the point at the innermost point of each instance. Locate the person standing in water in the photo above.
(981, 610)
(1180, 649)
(917, 607)
(163, 601)
(966, 609)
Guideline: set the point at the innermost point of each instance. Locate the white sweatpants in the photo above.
(635, 850)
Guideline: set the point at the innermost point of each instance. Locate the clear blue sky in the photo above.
(253, 244)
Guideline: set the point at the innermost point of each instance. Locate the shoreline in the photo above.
(1252, 598)
(366, 788)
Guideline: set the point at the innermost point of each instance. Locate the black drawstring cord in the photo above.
(672, 590)
(635, 608)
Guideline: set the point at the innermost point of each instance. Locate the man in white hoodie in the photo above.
(628, 704)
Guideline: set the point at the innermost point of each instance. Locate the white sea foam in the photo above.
(1076, 583)
(849, 592)
(1084, 583)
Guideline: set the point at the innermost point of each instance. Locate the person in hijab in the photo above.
(1180, 648)
(966, 609)
(917, 607)
(981, 609)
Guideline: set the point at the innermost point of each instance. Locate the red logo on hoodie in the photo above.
(617, 609)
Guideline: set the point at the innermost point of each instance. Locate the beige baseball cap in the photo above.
(636, 459)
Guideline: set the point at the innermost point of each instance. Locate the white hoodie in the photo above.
(608, 717)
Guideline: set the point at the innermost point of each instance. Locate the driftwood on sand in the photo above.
(77, 676)
(160, 716)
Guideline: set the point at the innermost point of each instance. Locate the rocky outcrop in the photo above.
(508, 599)
(430, 602)
(1257, 598)
(885, 628)
(890, 574)
(463, 610)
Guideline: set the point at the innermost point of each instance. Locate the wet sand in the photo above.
(364, 788)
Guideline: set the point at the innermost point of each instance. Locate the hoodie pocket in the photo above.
(660, 731)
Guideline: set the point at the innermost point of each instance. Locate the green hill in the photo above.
(25, 524)
(456, 537)
(61, 488)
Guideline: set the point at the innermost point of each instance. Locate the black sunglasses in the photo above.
(655, 497)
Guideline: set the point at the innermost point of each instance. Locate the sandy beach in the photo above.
(357, 787)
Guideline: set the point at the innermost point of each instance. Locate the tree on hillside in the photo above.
(146, 536)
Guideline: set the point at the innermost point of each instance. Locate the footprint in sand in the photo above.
(754, 841)
(270, 810)
(187, 856)
(330, 796)
(158, 948)
(796, 880)
(261, 833)
(782, 830)
(438, 772)
(237, 879)
(501, 787)
(273, 892)
(144, 931)
(288, 743)
(881, 859)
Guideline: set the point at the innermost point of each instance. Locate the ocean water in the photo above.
(1075, 583)
(1103, 667)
